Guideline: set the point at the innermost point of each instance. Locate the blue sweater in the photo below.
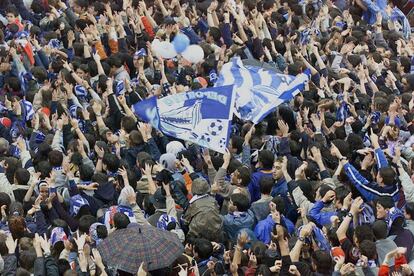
(265, 227)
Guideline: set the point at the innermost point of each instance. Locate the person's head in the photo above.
(21, 176)
(55, 158)
(110, 162)
(213, 35)
(322, 262)
(86, 172)
(17, 226)
(322, 190)
(340, 193)
(80, 6)
(266, 185)
(277, 169)
(238, 203)
(409, 211)
(27, 259)
(128, 124)
(368, 249)
(362, 233)
(236, 144)
(11, 14)
(241, 176)
(121, 221)
(379, 227)
(280, 204)
(383, 205)
(265, 160)
(386, 176)
(202, 249)
(85, 222)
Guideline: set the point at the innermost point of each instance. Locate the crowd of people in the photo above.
(322, 186)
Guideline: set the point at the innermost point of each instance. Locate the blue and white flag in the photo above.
(202, 117)
(27, 110)
(258, 91)
(398, 16)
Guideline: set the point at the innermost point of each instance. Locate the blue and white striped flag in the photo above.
(399, 16)
(202, 117)
(81, 91)
(259, 91)
(27, 109)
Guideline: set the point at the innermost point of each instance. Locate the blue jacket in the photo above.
(232, 224)
(254, 185)
(370, 190)
(265, 227)
(323, 218)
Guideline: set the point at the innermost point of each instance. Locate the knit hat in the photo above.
(202, 81)
(93, 233)
(58, 234)
(46, 111)
(337, 252)
(392, 215)
(168, 161)
(164, 220)
(200, 187)
(5, 122)
(174, 147)
(77, 202)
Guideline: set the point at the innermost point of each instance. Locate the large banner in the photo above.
(202, 117)
(258, 91)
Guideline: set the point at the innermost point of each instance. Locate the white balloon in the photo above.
(193, 54)
(155, 45)
(165, 49)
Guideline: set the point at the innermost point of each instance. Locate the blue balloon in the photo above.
(181, 42)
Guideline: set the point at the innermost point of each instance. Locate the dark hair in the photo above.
(22, 176)
(5, 200)
(27, 259)
(324, 188)
(341, 192)
(237, 143)
(388, 175)
(102, 231)
(55, 158)
(244, 175)
(114, 61)
(280, 204)
(379, 228)
(323, 262)
(111, 162)
(128, 124)
(13, 10)
(240, 201)
(86, 172)
(203, 248)
(368, 249)
(44, 168)
(364, 232)
(85, 222)
(63, 265)
(22, 272)
(409, 209)
(386, 201)
(267, 159)
(121, 221)
(266, 185)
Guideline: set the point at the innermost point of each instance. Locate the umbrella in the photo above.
(125, 249)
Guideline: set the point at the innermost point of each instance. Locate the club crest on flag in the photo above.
(202, 117)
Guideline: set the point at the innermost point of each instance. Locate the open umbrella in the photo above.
(126, 249)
